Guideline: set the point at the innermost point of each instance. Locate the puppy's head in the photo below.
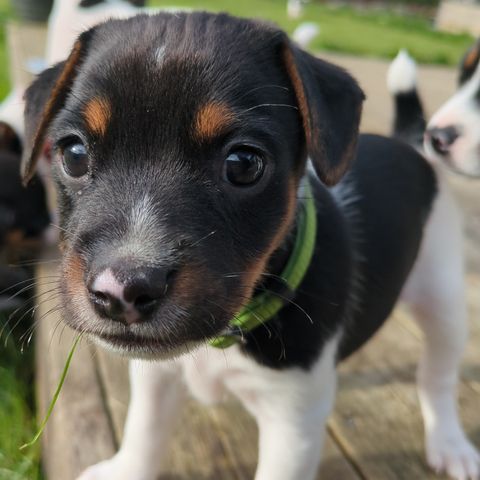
(179, 144)
(453, 133)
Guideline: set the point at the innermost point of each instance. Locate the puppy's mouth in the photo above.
(132, 345)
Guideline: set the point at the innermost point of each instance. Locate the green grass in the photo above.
(5, 14)
(369, 32)
(17, 419)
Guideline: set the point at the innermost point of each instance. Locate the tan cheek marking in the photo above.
(211, 120)
(187, 284)
(97, 115)
(471, 57)
(258, 267)
(74, 273)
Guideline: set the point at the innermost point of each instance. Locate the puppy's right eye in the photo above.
(75, 160)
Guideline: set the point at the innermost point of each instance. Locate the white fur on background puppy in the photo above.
(453, 133)
(305, 33)
(402, 74)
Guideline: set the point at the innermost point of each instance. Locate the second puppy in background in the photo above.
(452, 136)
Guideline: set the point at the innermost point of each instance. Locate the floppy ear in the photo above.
(44, 98)
(330, 103)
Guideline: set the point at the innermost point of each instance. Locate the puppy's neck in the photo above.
(272, 279)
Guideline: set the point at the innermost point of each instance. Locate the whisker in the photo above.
(61, 228)
(283, 105)
(262, 87)
(291, 302)
(34, 281)
(33, 263)
(13, 314)
(204, 237)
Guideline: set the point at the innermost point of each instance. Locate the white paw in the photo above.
(453, 455)
(117, 468)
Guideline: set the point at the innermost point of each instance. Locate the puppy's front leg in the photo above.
(291, 448)
(157, 392)
(291, 410)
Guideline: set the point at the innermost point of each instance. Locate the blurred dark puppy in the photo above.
(23, 218)
(195, 157)
(452, 136)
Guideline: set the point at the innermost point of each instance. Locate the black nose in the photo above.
(146, 287)
(442, 139)
(129, 295)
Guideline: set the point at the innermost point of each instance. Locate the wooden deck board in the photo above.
(375, 432)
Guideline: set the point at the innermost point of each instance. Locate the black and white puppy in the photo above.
(452, 136)
(181, 145)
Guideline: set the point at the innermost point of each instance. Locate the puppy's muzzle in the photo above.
(128, 294)
(441, 139)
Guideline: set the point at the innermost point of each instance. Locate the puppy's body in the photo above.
(181, 145)
(364, 252)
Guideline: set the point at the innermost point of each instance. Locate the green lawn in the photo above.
(17, 419)
(345, 29)
(5, 13)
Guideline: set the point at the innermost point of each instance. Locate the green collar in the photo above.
(266, 305)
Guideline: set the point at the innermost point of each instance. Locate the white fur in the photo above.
(156, 396)
(67, 21)
(291, 407)
(462, 111)
(11, 111)
(294, 9)
(143, 232)
(160, 55)
(402, 74)
(435, 291)
(305, 33)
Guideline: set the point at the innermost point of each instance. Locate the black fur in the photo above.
(467, 69)
(215, 236)
(21, 210)
(92, 3)
(366, 245)
(409, 118)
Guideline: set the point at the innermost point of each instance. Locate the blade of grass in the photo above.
(55, 396)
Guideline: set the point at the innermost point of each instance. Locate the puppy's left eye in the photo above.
(75, 160)
(243, 167)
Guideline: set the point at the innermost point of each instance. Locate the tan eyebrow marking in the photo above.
(212, 119)
(472, 57)
(97, 114)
